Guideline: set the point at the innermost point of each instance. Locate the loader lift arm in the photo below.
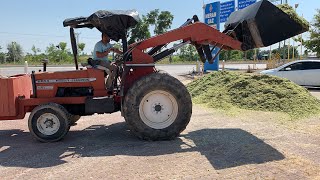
(192, 32)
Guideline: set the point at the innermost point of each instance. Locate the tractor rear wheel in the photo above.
(157, 107)
(49, 122)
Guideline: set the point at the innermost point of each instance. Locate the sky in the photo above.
(39, 22)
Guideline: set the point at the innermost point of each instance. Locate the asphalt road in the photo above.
(171, 69)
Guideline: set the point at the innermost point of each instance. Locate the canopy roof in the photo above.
(114, 23)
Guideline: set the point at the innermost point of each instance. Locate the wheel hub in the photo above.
(48, 124)
(158, 109)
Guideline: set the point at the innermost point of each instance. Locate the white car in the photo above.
(304, 72)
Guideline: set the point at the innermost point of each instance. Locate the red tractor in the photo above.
(156, 106)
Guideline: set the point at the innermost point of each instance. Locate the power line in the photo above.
(43, 35)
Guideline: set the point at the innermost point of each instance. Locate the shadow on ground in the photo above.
(224, 148)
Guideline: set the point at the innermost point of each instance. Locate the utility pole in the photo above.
(284, 42)
(295, 10)
(14, 52)
(289, 50)
(301, 48)
(280, 42)
(77, 37)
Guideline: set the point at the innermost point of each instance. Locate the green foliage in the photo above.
(81, 47)
(225, 90)
(118, 45)
(35, 59)
(63, 46)
(61, 54)
(188, 53)
(2, 57)
(314, 43)
(284, 52)
(164, 22)
(250, 54)
(140, 31)
(35, 50)
(236, 55)
(291, 12)
(152, 16)
(231, 55)
(161, 20)
(15, 52)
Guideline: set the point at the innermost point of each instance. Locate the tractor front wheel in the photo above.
(157, 107)
(49, 122)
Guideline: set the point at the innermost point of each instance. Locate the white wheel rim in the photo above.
(158, 109)
(48, 124)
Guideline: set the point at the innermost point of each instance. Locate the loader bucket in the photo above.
(262, 24)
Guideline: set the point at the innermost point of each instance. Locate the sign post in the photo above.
(212, 18)
(216, 13)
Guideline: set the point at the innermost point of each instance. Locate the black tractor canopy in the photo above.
(114, 23)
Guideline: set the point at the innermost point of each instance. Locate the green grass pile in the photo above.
(226, 90)
(291, 12)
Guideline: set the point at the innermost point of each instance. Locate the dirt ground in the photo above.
(215, 145)
(315, 92)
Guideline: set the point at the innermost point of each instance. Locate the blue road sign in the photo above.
(244, 3)
(226, 9)
(212, 18)
(212, 15)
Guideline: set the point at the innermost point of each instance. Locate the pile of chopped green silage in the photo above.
(225, 90)
(291, 12)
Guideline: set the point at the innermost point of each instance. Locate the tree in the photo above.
(236, 55)
(152, 16)
(284, 52)
(188, 53)
(35, 50)
(2, 56)
(81, 47)
(251, 53)
(53, 53)
(63, 46)
(58, 53)
(314, 43)
(231, 55)
(15, 53)
(140, 31)
(161, 20)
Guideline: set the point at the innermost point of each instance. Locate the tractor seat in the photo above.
(102, 65)
(98, 64)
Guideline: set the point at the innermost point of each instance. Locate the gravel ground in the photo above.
(215, 145)
(315, 92)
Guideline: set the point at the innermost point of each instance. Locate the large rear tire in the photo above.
(49, 122)
(157, 107)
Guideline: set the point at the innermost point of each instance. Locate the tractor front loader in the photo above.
(156, 106)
